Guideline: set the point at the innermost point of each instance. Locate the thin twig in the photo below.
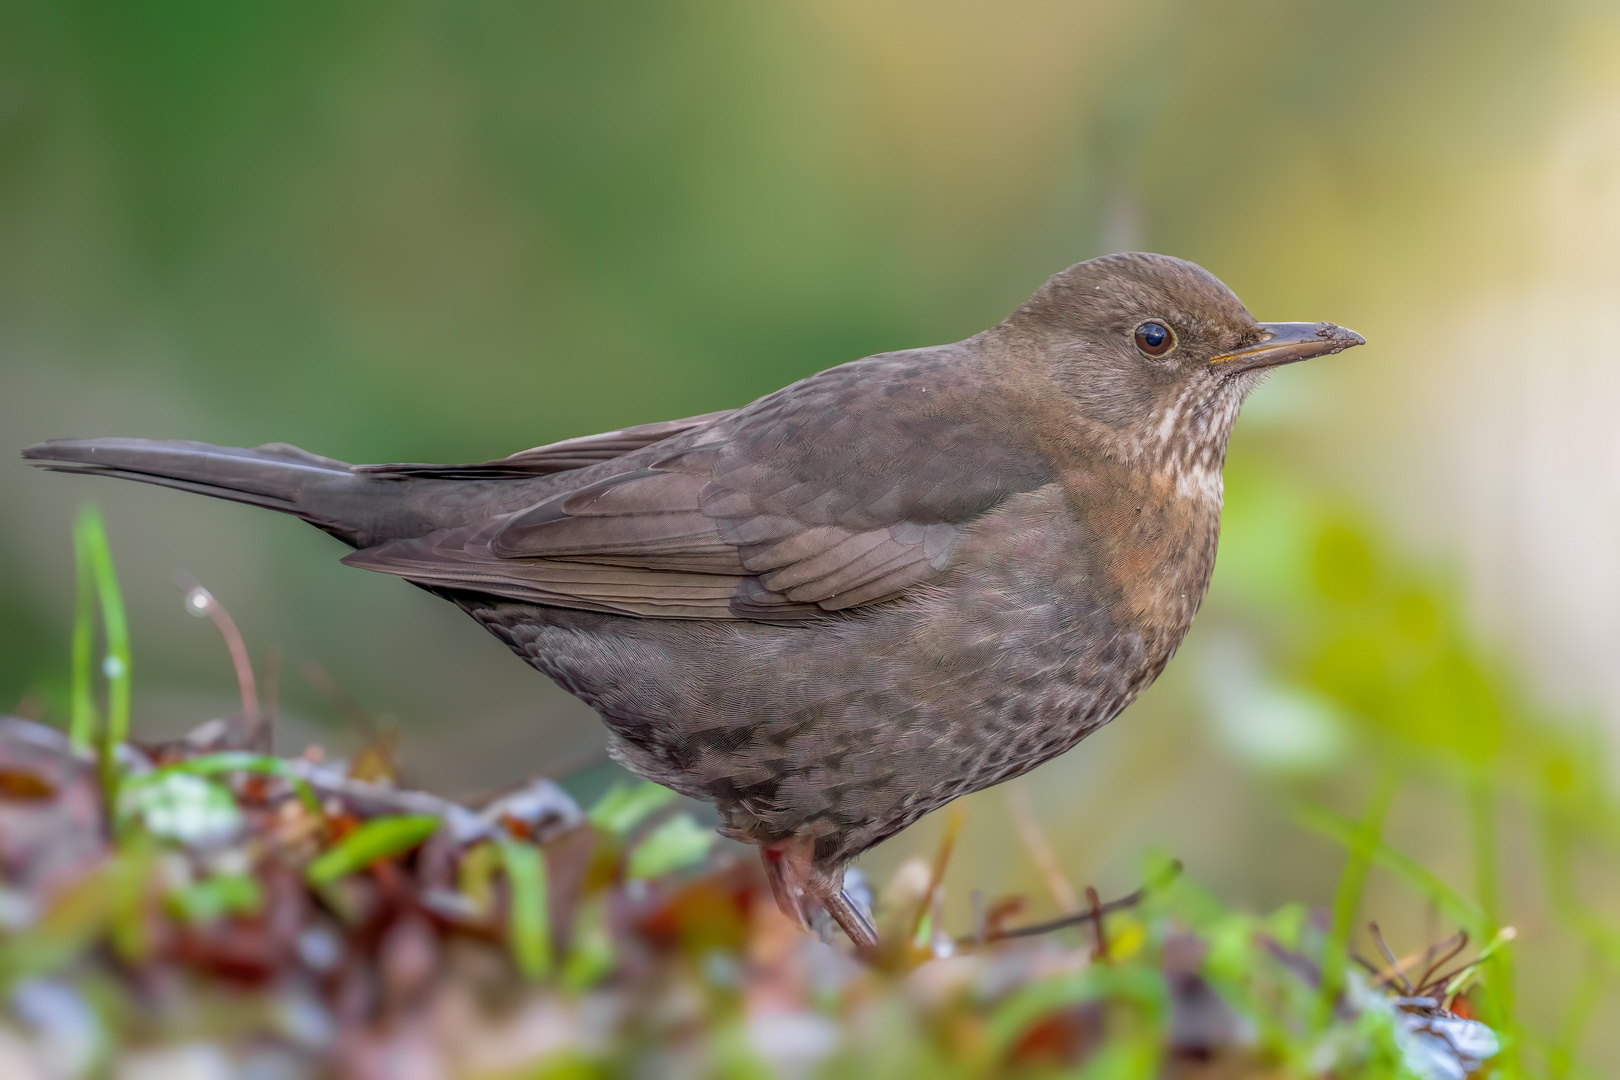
(1077, 919)
(204, 604)
(1379, 974)
(942, 859)
(1040, 852)
(1389, 957)
(1461, 939)
(1383, 974)
(1099, 951)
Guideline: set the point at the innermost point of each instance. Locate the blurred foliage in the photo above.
(1386, 648)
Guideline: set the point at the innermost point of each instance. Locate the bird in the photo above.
(833, 610)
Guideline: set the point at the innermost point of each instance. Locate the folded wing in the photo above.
(843, 490)
(564, 456)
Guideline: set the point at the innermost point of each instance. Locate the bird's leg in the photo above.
(797, 884)
(849, 916)
(788, 869)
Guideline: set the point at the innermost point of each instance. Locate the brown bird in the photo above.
(842, 606)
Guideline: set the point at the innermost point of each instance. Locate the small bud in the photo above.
(198, 601)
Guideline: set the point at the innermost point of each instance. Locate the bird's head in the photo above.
(1157, 354)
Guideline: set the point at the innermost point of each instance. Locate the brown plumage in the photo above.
(846, 604)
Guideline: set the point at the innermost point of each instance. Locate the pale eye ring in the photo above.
(1154, 338)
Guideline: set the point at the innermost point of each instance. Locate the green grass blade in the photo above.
(527, 918)
(1482, 826)
(624, 807)
(376, 840)
(1362, 843)
(677, 844)
(115, 625)
(93, 560)
(1453, 904)
(215, 898)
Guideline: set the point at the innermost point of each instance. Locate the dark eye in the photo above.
(1155, 338)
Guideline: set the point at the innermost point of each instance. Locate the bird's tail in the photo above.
(328, 494)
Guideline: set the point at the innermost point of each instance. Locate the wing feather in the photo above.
(843, 490)
(447, 559)
(564, 456)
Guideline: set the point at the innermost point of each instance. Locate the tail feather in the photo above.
(326, 493)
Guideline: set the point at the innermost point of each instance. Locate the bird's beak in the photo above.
(1289, 343)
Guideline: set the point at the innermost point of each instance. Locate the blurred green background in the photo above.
(435, 232)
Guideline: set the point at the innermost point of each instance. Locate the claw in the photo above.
(787, 868)
(799, 888)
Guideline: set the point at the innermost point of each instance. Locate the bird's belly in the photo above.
(850, 729)
(990, 684)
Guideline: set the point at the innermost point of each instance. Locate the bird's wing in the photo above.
(842, 490)
(564, 456)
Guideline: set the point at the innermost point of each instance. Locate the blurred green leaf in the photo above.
(527, 920)
(1452, 705)
(130, 873)
(1343, 564)
(374, 840)
(674, 845)
(626, 806)
(476, 874)
(1124, 1058)
(568, 1065)
(77, 918)
(590, 948)
(216, 897)
(239, 761)
(180, 806)
(94, 567)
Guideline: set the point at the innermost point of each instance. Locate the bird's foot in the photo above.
(850, 916)
(799, 888)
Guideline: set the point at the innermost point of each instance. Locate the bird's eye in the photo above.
(1155, 338)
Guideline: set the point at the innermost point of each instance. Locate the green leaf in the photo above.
(180, 807)
(476, 874)
(216, 897)
(676, 844)
(240, 761)
(1124, 1059)
(590, 950)
(127, 888)
(378, 839)
(98, 583)
(623, 808)
(93, 557)
(527, 922)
